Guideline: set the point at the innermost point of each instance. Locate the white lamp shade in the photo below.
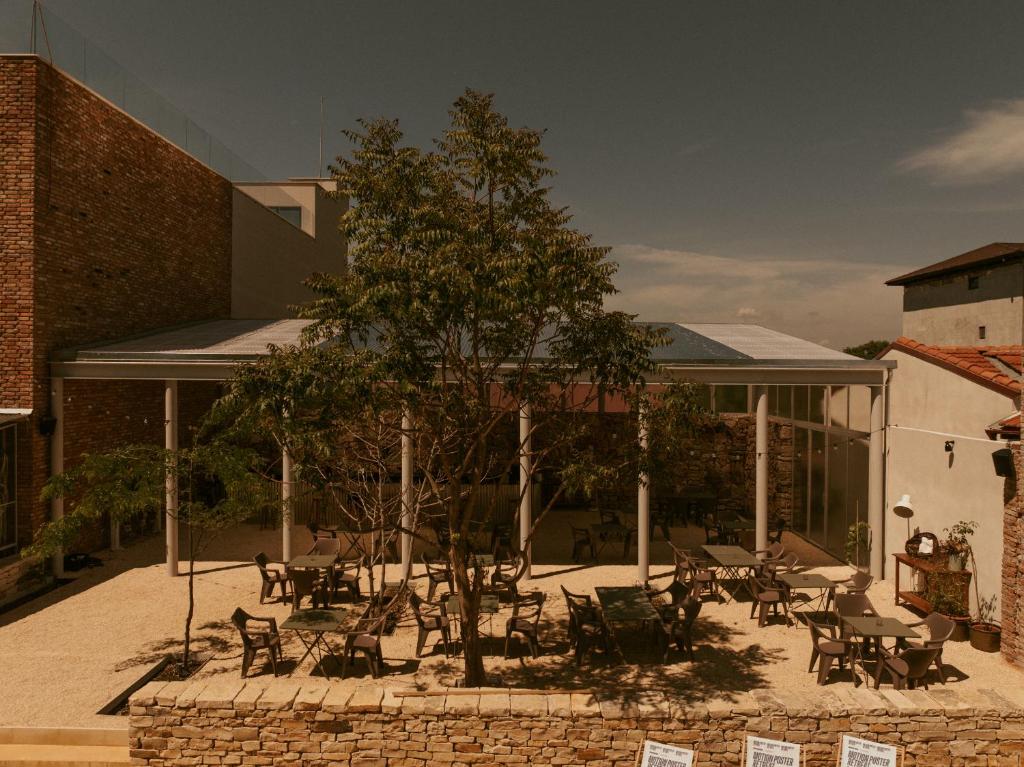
(904, 508)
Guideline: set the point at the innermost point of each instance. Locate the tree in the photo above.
(216, 484)
(468, 296)
(867, 350)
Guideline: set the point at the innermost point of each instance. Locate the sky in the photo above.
(756, 162)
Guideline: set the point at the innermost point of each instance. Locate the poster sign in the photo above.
(866, 753)
(662, 755)
(762, 752)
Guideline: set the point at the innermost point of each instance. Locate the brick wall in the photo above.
(108, 231)
(307, 723)
(1012, 643)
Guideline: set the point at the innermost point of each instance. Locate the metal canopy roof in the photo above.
(709, 353)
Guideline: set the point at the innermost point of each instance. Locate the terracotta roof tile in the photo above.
(987, 365)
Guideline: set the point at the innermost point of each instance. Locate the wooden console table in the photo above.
(930, 568)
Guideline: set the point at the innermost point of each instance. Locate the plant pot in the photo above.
(961, 627)
(985, 636)
(956, 563)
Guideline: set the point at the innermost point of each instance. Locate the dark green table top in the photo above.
(732, 556)
(313, 561)
(315, 620)
(806, 580)
(870, 626)
(625, 603)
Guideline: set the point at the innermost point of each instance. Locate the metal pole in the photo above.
(876, 483)
(171, 477)
(643, 507)
(57, 461)
(526, 486)
(761, 475)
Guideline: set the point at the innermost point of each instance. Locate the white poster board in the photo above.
(857, 752)
(762, 752)
(662, 755)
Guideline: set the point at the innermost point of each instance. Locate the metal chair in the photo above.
(429, 621)
(526, 621)
(581, 541)
(439, 572)
(255, 640)
(271, 577)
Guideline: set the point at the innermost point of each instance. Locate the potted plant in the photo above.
(958, 543)
(858, 544)
(947, 598)
(985, 632)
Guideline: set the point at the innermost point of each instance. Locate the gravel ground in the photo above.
(67, 653)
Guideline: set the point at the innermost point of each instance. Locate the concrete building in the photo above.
(108, 230)
(973, 299)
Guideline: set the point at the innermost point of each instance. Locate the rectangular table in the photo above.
(489, 607)
(611, 531)
(732, 559)
(316, 622)
(622, 604)
(818, 581)
(313, 561)
(875, 628)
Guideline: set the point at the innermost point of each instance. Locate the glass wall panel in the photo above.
(816, 512)
(857, 488)
(773, 400)
(817, 404)
(838, 413)
(785, 401)
(860, 408)
(730, 399)
(837, 521)
(800, 480)
(799, 403)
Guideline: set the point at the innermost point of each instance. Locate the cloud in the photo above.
(989, 147)
(829, 301)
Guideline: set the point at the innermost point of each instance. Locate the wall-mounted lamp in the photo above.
(949, 445)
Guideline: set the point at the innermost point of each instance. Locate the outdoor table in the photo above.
(483, 560)
(316, 622)
(818, 581)
(875, 628)
(611, 531)
(733, 559)
(489, 606)
(626, 604)
(313, 561)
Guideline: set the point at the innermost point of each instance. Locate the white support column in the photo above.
(761, 464)
(171, 480)
(57, 461)
(643, 508)
(526, 486)
(407, 497)
(287, 478)
(876, 483)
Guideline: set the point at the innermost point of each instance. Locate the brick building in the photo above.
(107, 230)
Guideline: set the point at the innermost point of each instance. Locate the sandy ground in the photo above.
(67, 653)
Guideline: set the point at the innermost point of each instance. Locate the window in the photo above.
(973, 282)
(293, 215)
(982, 332)
(730, 399)
(8, 483)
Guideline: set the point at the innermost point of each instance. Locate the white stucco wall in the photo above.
(944, 487)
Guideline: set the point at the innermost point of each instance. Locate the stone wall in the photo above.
(314, 723)
(1012, 643)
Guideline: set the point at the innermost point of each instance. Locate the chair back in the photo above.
(756, 587)
(859, 582)
(853, 605)
(819, 631)
(416, 603)
(776, 551)
(349, 565)
(580, 534)
(940, 629)
(788, 562)
(326, 546)
(691, 609)
(609, 517)
(918, 659)
(262, 560)
(303, 581)
(240, 618)
(679, 592)
(436, 567)
(534, 599)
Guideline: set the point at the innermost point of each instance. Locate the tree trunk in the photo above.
(469, 603)
(186, 650)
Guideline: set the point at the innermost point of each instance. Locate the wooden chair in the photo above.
(308, 583)
(826, 648)
(254, 640)
(940, 629)
(525, 620)
(429, 621)
(766, 597)
(908, 669)
(582, 541)
(439, 572)
(271, 577)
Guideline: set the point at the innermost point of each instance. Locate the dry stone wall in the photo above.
(316, 723)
